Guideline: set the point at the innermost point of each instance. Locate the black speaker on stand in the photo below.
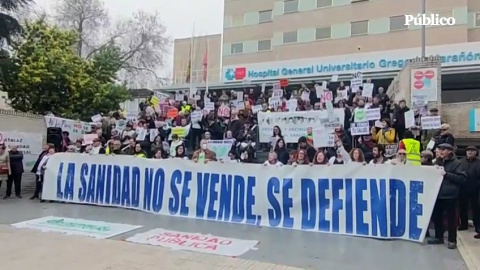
(54, 136)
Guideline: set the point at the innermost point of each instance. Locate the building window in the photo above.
(359, 28)
(323, 33)
(290, 6)
(265, 16)
(477, 20)
(264, 45)
(290, 37)
(236, 48)
(324, 3)
(397, 23)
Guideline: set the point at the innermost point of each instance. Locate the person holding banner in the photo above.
(204, 155)
(179, 152)
(378, 153)
(356, 155)
(40, 173)
(281, 150)
(320, 159)
(272, 160)
(5, 169)
(302, 158)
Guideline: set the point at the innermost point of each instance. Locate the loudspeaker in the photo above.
(54, 136)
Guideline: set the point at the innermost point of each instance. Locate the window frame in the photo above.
(290, 1)
(265, 21)
(359, 34)
(477, 19)
(324, 27)
(331, 4)
(296, 37)
(404, 27)
(264, 50)
(232, 46)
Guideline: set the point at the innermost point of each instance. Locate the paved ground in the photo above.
(277, 248)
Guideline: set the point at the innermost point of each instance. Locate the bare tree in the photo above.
(87, 17)
(141, 38)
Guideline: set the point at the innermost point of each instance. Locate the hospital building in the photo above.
(308, 41)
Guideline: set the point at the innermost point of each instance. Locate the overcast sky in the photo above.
(179, 16)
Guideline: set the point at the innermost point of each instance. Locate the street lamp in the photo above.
(424, 4)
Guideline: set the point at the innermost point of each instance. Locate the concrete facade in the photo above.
(23, 122)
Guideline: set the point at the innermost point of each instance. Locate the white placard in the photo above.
(334, 78)
(96, 118)
(362, 114)
(323, 138)
(424, 82)
(305, 95)
(256, 108)
(278, 93)
(73, 226)
(362, 128)
(294, 124)
(209, 106)
(409, 119)
(357, 80)
(153, 134)
(196, 242)
(274, 102)
(141, 134)
(292, 105)
(179, 97)
(318, 90)
(327, 96)
(196, 116)
(29, 144)
(431, 122)
(367, 90)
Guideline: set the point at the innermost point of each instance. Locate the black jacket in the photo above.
(472, 168)
(16, 162)
(35, 167)
(455, 177)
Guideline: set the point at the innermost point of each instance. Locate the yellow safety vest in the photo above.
(141, 155)
(412, 148)
(107, 151)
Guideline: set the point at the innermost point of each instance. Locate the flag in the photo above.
(205, 64)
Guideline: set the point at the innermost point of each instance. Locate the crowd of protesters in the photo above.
(461, 184)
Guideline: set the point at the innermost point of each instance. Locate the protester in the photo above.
(5, 169)
(378, 155)
(411, 148)
(469, 197)
(272, 160)
(281, 150)
(301, 158)
(15, 177)
(40, 173)
(204, 155)
(454, 177)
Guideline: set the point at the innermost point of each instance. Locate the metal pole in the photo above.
(424, 4)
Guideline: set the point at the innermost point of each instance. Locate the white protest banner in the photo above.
(76, 129)
(383, 202)
(220, 147)
(29, 144)
(367, 90)
(194, 242)
(73, 226)
(357, 80)
(293, 124)
(431, 122)
(363, 115)
(409, 119)
(362, 128)
(323, 138)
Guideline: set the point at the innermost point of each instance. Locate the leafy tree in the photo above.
(46, 75)
(9, 26)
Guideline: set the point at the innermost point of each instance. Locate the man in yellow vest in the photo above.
(411, 147)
